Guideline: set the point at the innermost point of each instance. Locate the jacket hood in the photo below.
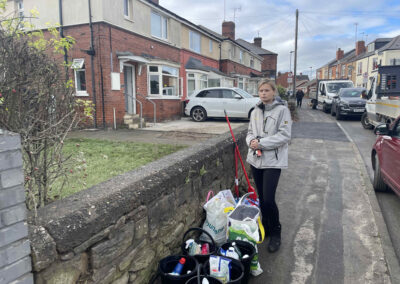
(274, 104)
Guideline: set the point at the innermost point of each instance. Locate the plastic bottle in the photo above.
(232, 253)
(237, 250)
(178, 268)
(205, 248)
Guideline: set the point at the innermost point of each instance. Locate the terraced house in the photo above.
(360, 64)
(135, 56)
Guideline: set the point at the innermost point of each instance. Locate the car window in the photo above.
(209, 94)
(351, 94)
(244, 93)
(228, 94)
(335, 87)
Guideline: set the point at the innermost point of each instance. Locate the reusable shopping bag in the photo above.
(216, 217)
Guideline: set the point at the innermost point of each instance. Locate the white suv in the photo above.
(212, 102)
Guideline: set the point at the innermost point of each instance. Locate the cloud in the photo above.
(324, 26)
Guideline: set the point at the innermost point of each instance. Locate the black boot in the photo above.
(275, 241)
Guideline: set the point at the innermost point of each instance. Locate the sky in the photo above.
(323, 26)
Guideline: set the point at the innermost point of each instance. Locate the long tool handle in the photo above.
(251, 189)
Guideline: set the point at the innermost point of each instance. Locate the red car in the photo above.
(385, 157)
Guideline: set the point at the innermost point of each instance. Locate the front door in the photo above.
(130, 89)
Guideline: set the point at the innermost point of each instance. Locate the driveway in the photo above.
(177, 132)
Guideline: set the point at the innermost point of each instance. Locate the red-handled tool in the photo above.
(237, 152)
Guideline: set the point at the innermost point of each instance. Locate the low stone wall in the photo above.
(15, 261)
(117, 231)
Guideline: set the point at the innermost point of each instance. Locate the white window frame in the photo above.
(252, 62)
(198, 78)
(374, 64)
(233, 52)
(343, 70)
(20, 8)
(240, 56)
(163, 26)
(160, 77)
(210, 46)
(128, 9)
(359, 68)
(192, 36)
(78, 66)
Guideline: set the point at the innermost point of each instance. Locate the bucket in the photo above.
(201, 258)
(210, 279)
(245, 248)
(236, 271)
(167, 265)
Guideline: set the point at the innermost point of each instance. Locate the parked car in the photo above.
(348, 102)
(211, 102)
(385, 157)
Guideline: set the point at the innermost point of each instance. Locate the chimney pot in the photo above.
(258, 41)
(228, 30)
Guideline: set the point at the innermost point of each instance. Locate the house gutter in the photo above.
(60, 9)
(92, 52)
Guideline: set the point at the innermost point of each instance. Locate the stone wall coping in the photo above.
(73, 220)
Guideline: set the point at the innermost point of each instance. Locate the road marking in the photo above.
(303, 249)
(345, 132)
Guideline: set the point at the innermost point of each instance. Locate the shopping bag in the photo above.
(216, 217)
(244, 223)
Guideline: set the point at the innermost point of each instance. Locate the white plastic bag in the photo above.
(216, 219)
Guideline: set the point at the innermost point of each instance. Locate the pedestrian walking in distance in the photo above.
(268, 137)
(299, 97)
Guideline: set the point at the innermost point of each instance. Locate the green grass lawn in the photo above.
(94, 161)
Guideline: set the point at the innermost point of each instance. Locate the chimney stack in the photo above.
(360, 47)
(257, 41)
(155, 2)
(228, 30)
(339, 54)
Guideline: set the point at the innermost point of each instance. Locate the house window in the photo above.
(252, 62)
(359, 68)
(194, 41)
(330, 74)
(233, 52)
(343, 70)
(374, 63)
(128, 9)
(349, 70)
(80, 76)
(159, 26)
(210, 46)
(163, 80)
(20, 9)
(196, 81)
(241, 56)
(395, 61)
(214, 83)
(241, 83)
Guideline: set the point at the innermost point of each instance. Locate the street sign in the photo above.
(290, 77)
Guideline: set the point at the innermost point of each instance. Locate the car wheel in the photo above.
(332, 112)
(325, 108)
(338, 115)
(365, 121)
(379, 184)
(199, 114)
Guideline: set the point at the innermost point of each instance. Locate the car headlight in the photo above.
(344, 104)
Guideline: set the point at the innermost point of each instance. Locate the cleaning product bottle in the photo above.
(232, 253)
(237, 250)
(178, 268)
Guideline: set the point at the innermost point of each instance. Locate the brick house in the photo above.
(142, 56)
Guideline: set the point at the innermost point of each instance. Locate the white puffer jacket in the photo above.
(272, 125)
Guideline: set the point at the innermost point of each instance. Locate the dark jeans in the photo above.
(266, 182)
(299, 102)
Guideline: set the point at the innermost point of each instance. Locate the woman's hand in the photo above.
(254, 144)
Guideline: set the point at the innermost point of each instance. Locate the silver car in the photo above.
(211, 102)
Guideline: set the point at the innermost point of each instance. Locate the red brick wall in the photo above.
(185, 55)
(282, 80)
(269, 62)
(120, 41)
(229, 67)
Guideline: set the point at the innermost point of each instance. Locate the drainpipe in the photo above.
(92, 52)
(60, 9)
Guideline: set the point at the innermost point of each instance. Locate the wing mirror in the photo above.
(237, 96)
(335, 97)
(382, 129)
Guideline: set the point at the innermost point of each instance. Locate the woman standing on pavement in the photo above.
(268, 137)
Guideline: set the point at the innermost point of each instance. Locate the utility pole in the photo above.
(295, 51)
(290, 61)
